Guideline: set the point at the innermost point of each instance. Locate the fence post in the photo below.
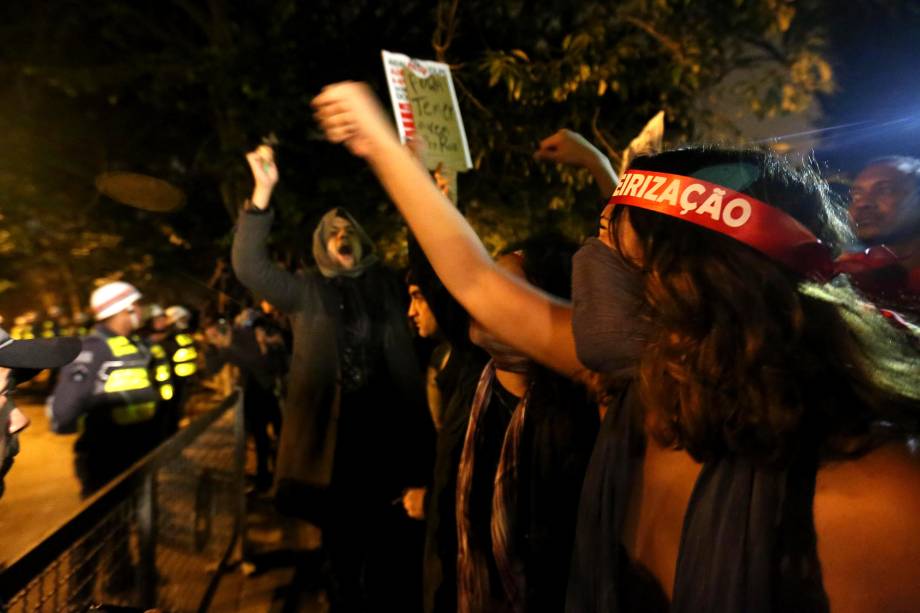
(147, 539)
(239, 437)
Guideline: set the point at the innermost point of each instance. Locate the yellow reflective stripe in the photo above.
(184, 340)
(48, 334)
(185, 369)
(162, 373)
(134, 413)
(120, 346)
(157, 352)
(186, 354)
(166, 392)
(126, 380)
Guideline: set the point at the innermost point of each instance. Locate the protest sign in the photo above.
(425, 105)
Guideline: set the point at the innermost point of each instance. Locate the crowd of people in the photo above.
(713, 404)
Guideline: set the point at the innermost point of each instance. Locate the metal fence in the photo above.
(159, 536)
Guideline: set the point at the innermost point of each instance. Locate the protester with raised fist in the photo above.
(756, 454)
(356, 430)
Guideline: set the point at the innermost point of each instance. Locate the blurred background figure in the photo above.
(107, 393)
(181, 349)
(255, 351)
(885, 213)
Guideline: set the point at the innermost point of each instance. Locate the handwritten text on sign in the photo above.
(435, 118)
(426, 108)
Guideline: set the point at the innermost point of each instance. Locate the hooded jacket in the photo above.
(314, 302)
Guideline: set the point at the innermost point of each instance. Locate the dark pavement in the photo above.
(42, 491)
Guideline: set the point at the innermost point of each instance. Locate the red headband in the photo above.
(757, 224)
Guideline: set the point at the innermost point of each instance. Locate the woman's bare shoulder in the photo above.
(867, 518)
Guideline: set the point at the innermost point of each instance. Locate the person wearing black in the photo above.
(356, 430)
(259, 367)
(524, 457)
(434, 312)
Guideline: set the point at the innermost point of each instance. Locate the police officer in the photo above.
(50, 326)
(183, 355)
(154, 331)
(24, 328)
(107, 393)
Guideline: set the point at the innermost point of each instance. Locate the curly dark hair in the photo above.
(746, 357)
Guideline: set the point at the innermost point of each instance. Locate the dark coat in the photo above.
(458, 384)
(312, 409)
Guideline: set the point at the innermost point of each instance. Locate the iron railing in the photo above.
(158, 536)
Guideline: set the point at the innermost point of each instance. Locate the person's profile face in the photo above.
(160, 323)
(343, 244)
(604, 224)
(134, 316)
(622, 229)
(883, 201)
(420, 313)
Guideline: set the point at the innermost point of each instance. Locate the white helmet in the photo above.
(113, 298)
(178, 316)
(152, 311)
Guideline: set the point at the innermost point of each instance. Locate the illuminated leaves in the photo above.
(198, 83)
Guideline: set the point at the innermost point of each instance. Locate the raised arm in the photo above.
(250, 259)
(568, 147)
(519, 314)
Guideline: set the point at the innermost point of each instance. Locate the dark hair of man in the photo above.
(453, 320)
(907, 166)
(747, 358)
(910, 168)
(547, 264)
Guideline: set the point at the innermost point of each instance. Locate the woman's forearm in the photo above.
(517, 312)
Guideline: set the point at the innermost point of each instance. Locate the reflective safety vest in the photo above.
(48, 330)
(185, 357)
(23, 332)
(126, 379)
(162, 374)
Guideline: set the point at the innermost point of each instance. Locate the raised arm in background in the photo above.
(573, 149)
(521, 315)
(251, 263)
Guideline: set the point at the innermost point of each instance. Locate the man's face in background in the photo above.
(884, 203)
(420, 313)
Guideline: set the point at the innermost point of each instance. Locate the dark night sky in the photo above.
(875, 57)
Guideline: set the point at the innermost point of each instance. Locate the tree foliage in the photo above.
(180, 89)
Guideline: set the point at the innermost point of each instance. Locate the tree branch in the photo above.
(479, 105)
(194, 12)
(771, 50)
(668, 43)
(444, 32)
(600, 137)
